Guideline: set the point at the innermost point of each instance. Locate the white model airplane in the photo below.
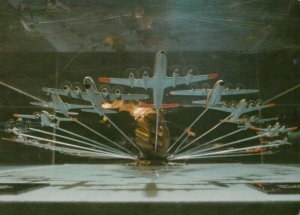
(61, 107)
(213, 96)
(255, 119)
(92, 95)
(47, 119)
(158, 83)
(273, 131)
(278, 142)
(241, 108)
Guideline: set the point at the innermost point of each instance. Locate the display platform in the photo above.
(171, 189)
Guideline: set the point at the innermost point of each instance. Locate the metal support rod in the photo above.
(230, 151)
(124, 135)
(190, 126)
(102, 136)
(68, 144)
(75, 140)
(156, 129)
(220, 156)
(201, 136)
(212, 141)
(228, 144)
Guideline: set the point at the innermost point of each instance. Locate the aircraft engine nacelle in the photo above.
(66, 85)
(77, 87)
(104, 89)
(89, 83)
(175, 78)
(145, 79)
(117, 90)
(37, 115)
(188, 77)
(131, 79)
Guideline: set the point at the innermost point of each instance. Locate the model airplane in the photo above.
(213, 96)
(159, 82)
(273, 131)
(47, 119)
(61, 107)
(277, 143)
(254, 120)
(92, 95)
(241, 108)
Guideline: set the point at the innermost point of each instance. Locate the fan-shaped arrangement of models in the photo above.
(151, 139)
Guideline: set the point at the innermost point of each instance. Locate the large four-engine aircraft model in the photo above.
(274, 131)
(158, 83)
(46, 119)
(59, 106)
(213, 96)
(92, 95)
(241, 108)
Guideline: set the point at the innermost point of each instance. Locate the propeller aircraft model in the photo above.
(213, 96)
(158, 83)
(241, 108)
(92, 95)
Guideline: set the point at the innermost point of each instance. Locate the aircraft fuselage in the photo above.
(160, 76)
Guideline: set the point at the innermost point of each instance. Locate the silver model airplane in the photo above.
(61, 107)
(246, 123)
(255, 119)
(273, 131)
(47, 119)
(241, 108)
(213, 96)
(159, 82)
(92, 95)
(277, 142)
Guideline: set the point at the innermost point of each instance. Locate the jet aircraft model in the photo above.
(158, 83)
(93, 96)
(241, 108)
(213, 96)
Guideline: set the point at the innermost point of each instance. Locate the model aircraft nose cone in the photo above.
(87, 82)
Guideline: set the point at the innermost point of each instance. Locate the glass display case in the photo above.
(200, 92)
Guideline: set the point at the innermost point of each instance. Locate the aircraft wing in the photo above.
(188, 79)
(134, 82)
(128, 97)
(224, 109)
(195, 92)
(238, 92)
(255, 108)
(68, 93)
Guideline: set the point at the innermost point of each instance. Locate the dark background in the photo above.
(268, 61)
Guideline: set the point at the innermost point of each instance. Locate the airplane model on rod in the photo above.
(149, 147)
(213, 96)
(158, 83)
